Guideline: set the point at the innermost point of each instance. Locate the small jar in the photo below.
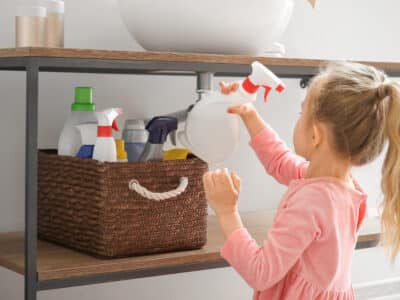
(30, 26)
(54, 28)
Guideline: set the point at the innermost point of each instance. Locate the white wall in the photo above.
(358, 29)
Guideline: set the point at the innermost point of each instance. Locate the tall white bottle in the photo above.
(82, 111)
(105, 147)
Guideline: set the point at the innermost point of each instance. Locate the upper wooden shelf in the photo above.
(152, 56)
(61, 267)
(54, 59)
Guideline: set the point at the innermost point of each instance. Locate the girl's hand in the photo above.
(222, 191)
(227, 88)
(251, 119)
(243, 110)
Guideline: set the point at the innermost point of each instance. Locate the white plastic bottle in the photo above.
(105, 148)
(82, 111)
(213, 134)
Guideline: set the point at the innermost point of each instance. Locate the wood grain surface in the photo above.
(56, 262)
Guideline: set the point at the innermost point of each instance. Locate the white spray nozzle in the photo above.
(107, 116)
(261, 76)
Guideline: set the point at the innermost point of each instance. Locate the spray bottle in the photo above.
(82, 111)
(210, 132)
(158, 128)
(105, 147)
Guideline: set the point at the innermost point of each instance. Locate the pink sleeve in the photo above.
(276, 158)
(296, 225)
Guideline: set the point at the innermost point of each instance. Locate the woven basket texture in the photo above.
(87, 205)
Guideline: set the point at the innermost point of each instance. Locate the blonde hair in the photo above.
(361, 106)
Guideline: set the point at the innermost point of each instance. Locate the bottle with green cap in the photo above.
(82, 111)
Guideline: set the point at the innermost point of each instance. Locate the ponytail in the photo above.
(391, 173)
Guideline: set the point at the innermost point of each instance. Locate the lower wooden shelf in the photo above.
(61, 267)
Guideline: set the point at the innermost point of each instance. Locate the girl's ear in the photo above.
(317, 134)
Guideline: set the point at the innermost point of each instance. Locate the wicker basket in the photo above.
(90, 206)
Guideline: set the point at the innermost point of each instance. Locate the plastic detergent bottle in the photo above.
(213, 134)
(82, 111)
(105, 147)
(158, 128)
(88, 133)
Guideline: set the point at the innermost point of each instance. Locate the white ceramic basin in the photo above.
(214, 26)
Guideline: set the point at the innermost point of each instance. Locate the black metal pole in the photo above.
(31, 161)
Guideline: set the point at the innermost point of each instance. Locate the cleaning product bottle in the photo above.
(105, 147)
(135, 136)
(158, 128)
(210, 132)
(122, 156)
(88, 133)
(82, 111)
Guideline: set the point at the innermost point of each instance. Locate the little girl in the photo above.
(350, 111)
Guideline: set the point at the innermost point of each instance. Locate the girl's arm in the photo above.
(272, 152)
(296, 225)
(275, 156)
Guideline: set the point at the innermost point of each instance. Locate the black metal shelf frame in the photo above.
(33, 66)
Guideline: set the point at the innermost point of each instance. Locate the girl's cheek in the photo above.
(296, 138)
(299, 137)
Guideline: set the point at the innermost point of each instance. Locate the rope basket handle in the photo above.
(134, 185)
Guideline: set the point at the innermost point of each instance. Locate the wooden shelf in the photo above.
(151, 56)
(235, 65)
(58, 264)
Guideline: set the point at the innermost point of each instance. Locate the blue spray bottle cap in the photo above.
(159, 128)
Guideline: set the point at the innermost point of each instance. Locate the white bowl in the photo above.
(212, 26)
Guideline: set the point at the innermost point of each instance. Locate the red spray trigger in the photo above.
(114, 125)
(267, 89)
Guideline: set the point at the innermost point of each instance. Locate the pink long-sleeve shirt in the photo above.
(308, 251)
